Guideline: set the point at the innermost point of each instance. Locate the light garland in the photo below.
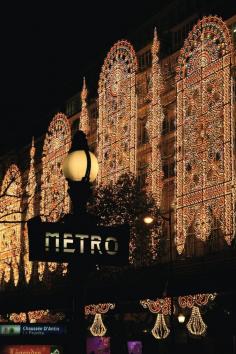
(204, 140)
(117, 124)
(160, 329)
(92, 309)
(18, 317)
(190, 301)
(98, 328)
(195, 325)
(161, 307)
(10, 233)
(38, 316)
(155, 123)
(30, 189)
(54, 200)
(84, 118)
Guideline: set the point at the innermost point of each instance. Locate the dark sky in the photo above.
(46, 51)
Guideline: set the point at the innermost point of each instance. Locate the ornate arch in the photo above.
(204, 138)
(117, 113)
(10, 232)
(54, 197)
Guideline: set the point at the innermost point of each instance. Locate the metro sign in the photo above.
(64, 242)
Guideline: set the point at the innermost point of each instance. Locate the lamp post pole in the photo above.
(78, 174)
(169, 220)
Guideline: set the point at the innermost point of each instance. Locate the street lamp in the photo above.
(159, 219)
(181, 318)
(80, 168)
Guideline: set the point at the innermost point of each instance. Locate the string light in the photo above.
(192, 300)
(195, 324)
(84, 118)
(18, 317)
(10, 233)
(161, 307)
(30, 189)
(54, 199)
(117, 124)
(160, 329)
(98, 329)
(155, 123)
(204, 138)
(38, 316)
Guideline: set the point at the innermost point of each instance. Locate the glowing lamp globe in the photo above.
(75, 166)
(148, 219)
(181, 318)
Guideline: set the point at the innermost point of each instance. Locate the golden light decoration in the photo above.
(161, 307)
(160, 329)
(84, 117)
(30, 189)
(54, 199)
(18, 317)
(45, 316)
(117, 123)
(10, 231)
(98, 328)
(204, 138)
(155, 122)
(195, 325)
(37, 316)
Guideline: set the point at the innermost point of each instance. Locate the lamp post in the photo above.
(159, 219)
(80, 168)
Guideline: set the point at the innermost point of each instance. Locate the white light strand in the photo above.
(30, 189)
(160, 329)
(84, 118)
(196, 325)
(98, 328)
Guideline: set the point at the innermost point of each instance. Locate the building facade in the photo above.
(168, 120)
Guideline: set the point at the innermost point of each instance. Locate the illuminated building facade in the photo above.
(168, 120)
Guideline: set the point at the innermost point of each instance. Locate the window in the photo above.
(75, 126)
(181, 34)
(93, 114)
(145, 60)
(142, 174)
(142, 131)
(168, 169)
(234, 32)
(234, 86)
(73, 105)
(168, 125)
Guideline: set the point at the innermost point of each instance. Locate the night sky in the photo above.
(46, 51)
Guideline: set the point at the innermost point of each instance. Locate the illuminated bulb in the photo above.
(160, 329)
(98, 329)
(181, 318)
(148, 219)
(195, 324)
(75, 166)
(234, 30)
